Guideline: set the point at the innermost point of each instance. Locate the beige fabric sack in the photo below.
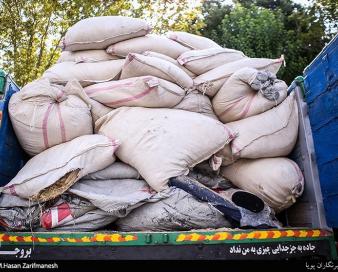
(87, 154)
(237, 99)
(270, 134)
(96, 108)
(180, 211)
(43, 116)
(202, 61)
(173, 61)
(145, 91)
(192, 41)
(277, 181)
(115, 171)
(224, 157)
(211, 81)
(85, 73)
(139, 65)
(100, 32)
(196, 102)
(163, 143)
(156, 43)
(86, 56)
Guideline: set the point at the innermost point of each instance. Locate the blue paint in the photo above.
(321, 89)
(12, 156)
(329, 177)
(328, 101)
(326, 142)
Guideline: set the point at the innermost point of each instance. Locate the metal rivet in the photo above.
(148, 238)
(165, 238)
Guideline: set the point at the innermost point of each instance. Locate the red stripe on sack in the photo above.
(113, 85)
(62, 124)
(11, 189)
(235, 149)
(134, 97)
(128, 60)
(45, 124)
(50, 240)
(247, 107)
(63, 211)
(232, 105)
(59, 95)
(231, 135)
(46, 220)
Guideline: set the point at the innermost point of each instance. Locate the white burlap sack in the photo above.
(85, 73)
(173, 61)
(237, 99)
(144, 91)
(140, 65)
(211, 81)
(96, 108)
(196, 102)
(163, 143)
(223, 157)
(86, 56)
(43, 116)
(202, 61)
(270, 134)
(192, 41)
(180, 211)
(154, 43)
(277, 181)
(118, 170)
(118, 197)
(114, 198)
(100, 32)
(85, 154)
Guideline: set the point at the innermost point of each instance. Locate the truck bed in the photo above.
(305, 234)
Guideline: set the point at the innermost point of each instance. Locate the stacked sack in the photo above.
(162, 105)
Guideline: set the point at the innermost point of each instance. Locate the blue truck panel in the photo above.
(321, 90)
(12, 156)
